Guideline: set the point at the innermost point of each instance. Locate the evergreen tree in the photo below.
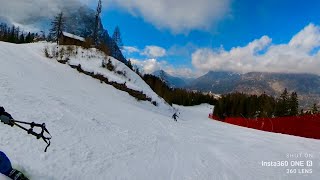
(129, 64)
(253, 106)
(116, 37)
(177, 96)
(21, 38)
(4, 32)
(12, 34)
(282, 106)
(293, 104)
(57, 26)
(96, 24)
(314, 109)
(28, 38)
(16, 35)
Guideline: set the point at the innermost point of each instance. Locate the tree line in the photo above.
(176, 95)
(13, 34)
(253, 106)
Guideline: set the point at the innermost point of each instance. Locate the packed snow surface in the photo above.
(102, 133)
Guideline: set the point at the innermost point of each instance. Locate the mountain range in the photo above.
(172, 81)
(221, 82)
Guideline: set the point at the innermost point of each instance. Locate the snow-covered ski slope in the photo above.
(102, 133)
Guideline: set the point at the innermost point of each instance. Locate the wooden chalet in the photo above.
(71, 39)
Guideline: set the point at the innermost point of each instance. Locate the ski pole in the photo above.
(12, 122)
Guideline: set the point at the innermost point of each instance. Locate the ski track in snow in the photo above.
(102, 133)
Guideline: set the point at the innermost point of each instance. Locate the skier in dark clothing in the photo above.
(5, 164)
(174, 116)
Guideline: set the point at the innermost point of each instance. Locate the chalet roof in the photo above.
(73, 36)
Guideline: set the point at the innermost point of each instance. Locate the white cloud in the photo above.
(131, 49)
(154, 51)
(182, 72)
(300, 55)
(150, 52)
(151, 65)
(307, 39)
(178, 15)
(148, 66)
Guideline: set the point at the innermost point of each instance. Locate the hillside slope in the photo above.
(102, 133)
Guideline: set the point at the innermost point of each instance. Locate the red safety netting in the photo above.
(304, 126)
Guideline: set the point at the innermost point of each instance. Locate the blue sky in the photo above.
(191, 37)
(248, 20)
(242, 22)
